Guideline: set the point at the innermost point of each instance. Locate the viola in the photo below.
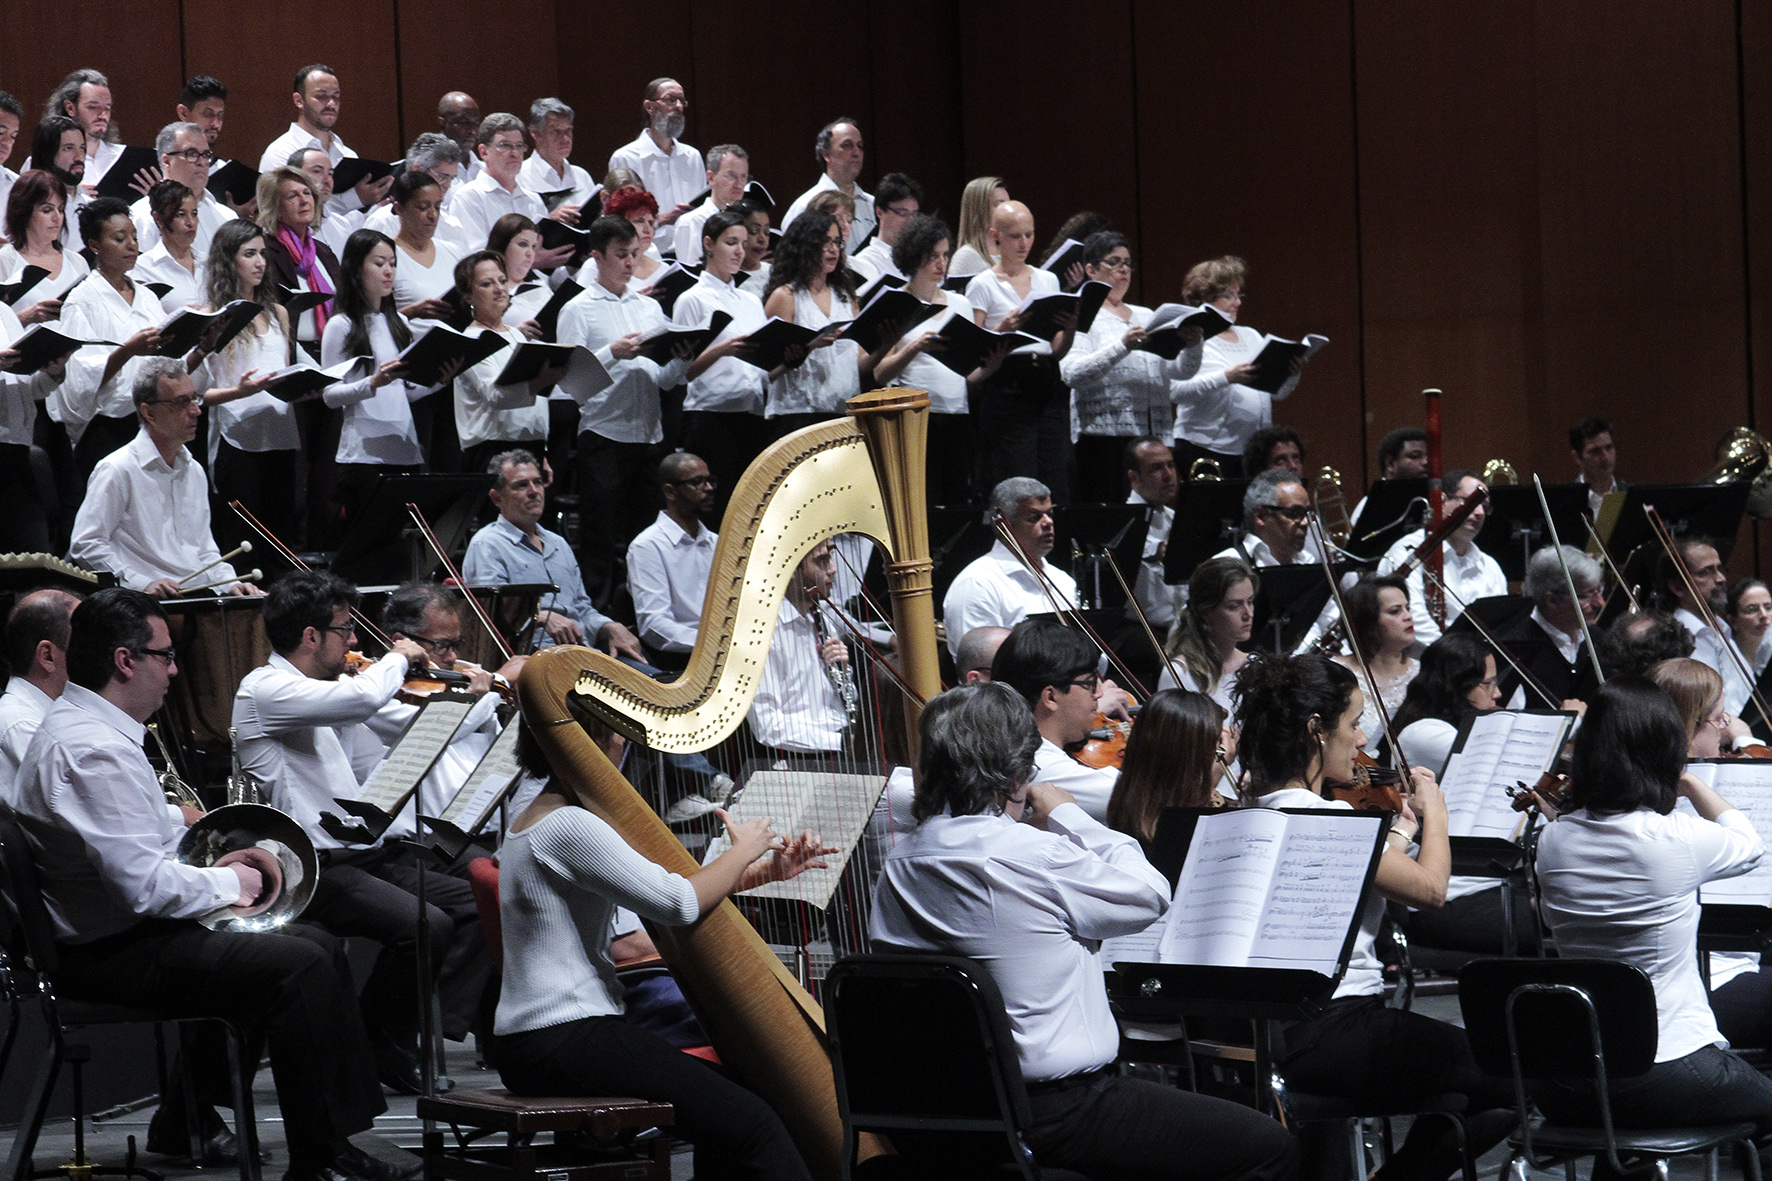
(1106, 745)
(1372, 786)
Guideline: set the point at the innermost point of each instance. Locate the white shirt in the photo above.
(996, 299)
(336, 229)
(559, 882)
(479, 204)
(1155, 596)
(100, 829)
(1470, 576)
(796, 707)
(947, 390)
(1720, 653)
(1093, 786)
(627, 410)
(1568, 646)
(1625, 888)
(1260, 553)
(143, 520)
(414, 281)
(672, 177)
(997, 591)
(668, 577)
(1195, 684)
(1365, 973)
(729, 384)
(211, 216)
(1213, 413)
(22, 707)
(378, 423)
(968, 261)
(7, 179)
(828, 377)
(1117, 390)
(304, 738)
(865, 221)
(1033, 908)
(189, 288)
(95, 310)
(257, 422)
(1428, 742)
(20, 393)
(688, 232)
(484, 411)
(285, 145)
(74, 269)
(876, 256)
(538, 176)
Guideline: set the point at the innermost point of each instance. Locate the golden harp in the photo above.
(860, 474)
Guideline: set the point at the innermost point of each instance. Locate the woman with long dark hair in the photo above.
(810, 284)
(1382, 632)
(1618, 877)
(1298, 718)
(1171, 761)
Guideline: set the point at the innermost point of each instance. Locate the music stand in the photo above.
(1095, 533)
(1514, 523)
(1289, 601)
(957, 538)
(1208, 518)
(1710, 511)
(449, 502)
(1386, 502)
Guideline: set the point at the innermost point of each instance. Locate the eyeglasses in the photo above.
(166, 654)
(1719, 720)
(1115, 264)
(697, 482)
(344, 629)
(451, 643)
(1295, 512)
(1088, 684)
(194, 156)
(899, 212)
(184, 403)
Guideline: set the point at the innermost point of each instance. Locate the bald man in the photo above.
(36, 648)
(978, 647)
(1024, 408)
(458, 117)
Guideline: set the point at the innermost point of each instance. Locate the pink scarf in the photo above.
(309, 267)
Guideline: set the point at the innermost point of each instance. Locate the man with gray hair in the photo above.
(1468, 572)
(998, 590)
(670, 169)
(185, 156)
(1549, 642)
(441, 159)
(495, 192)
(548, 169)
(146, 513)
(729, 174)
(1276, 517)
(839, 151)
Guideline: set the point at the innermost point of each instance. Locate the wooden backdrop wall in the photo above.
(1497, 197)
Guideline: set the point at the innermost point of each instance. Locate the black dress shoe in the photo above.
(397, 1064)
(355, 1162)
(167, 1136)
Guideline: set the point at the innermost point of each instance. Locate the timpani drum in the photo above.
(218, 640)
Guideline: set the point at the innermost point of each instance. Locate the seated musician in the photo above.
(997, 590)
(1276, 515)
(978, 649)
(1468, 573)
(36, 650)
(1150, 470)
(560, 1028)
(1299, 724)
(1458, 679)
(302, 736)
(1274, 446)
(668, 563)
(1402, 455)
(1382, 629)
(1219, 616)
(1618, 880)
(146, 513)
(1018, 877)
(1549, 642)
(1637, 640)
(1174, 758)
(1714, 646)
(515, 550)
(1053, 667)
(799, 714)
(125, 910)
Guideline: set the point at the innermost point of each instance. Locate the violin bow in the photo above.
(1500, 648)
(1144, 621)
(361, 620)
(467, 592)
(1593, 653)
(1606, 557)
(1384, 715)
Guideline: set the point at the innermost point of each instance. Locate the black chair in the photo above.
(28, 961)
(924, 1056)
(1535, 1020)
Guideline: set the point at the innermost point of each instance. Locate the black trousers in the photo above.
(1474, 923)
(355, 481)
(617, 497)
(1229, 466)
(290, 991)
(953, 461)
(263, 481)
(373, 895)
(1121, 1127)
(1360, 1049)
(24, 526)
(70, 485)
(727, 441)
(1743, 1009)
(1024, 418)
(102, 436)
(735, 1133)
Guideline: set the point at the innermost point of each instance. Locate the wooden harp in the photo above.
(861, 474)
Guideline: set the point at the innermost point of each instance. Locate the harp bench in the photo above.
(593, 1138)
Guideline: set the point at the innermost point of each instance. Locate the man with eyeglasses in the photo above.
(897, 199)
(1713, 646)
(1053, 667)
(669, 562)
(125, 909)
(1468, 572)
(1549, 642)
(146, 513)
(1276, 515)
(477, 205)
(671, 170)
(729, 174)
(185, 156)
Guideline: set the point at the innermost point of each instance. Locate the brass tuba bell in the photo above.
(1205, 469)
(1498, 471)
(1742, 455)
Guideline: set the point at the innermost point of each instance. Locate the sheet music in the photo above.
(1140, 947)
(1746, 783)
(833, 805)
(1316, 893)
(485, 785)
(1223, 884)
(1504, 747)
(392, 783)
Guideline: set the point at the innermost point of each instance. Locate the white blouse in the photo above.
(258, 422)
(828, 377)
(996, 298)
(728, 385)
(414, 281)
(188, 287)
(1122, 391)
(508, 413)
(1216, 414)
(378, 422)
(95, 310)
(19, 394)
(946, 389)
(73, 270)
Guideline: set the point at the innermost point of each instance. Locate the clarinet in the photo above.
(841, 676)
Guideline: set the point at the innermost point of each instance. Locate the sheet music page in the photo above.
(835, 806)
(1140, 947)
(1315, 895)
(1748, 785)
(1472, 769)
(392, 783)
(481, 790)
(1529, 751)
(1224, 882)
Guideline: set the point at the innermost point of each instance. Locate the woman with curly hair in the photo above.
(811, 284)
(639, 209)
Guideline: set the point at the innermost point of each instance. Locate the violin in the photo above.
(1106, 745)
(421, 683)
(1550, 795)
(1372, 786)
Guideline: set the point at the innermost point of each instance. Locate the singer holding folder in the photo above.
(1299, 718)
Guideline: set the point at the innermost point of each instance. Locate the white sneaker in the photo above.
(688, 808)
(721, 787)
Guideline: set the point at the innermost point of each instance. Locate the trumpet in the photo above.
(1205, 469)
(245, 547)
(1498, 470)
